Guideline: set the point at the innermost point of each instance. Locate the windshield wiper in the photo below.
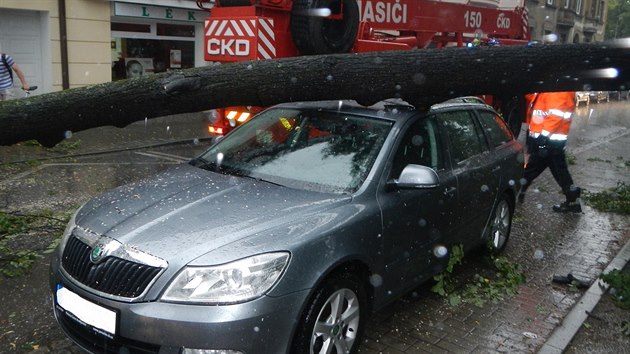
(233, 171)
(204, 164)
(258, 179)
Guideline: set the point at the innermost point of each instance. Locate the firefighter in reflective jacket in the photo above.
(549, 120)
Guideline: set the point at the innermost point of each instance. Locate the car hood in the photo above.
(186, 212)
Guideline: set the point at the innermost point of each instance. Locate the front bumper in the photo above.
(264, 325)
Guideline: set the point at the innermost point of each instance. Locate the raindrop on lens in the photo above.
(485, 188)
(321, 12)
(550, 37)
(419, 79)
(422, 222)
(539, 254)
(195, 141)
(67, 134)
(440, 251)
(294, 80)
(219, 159)
(376, 280)
(329, 77)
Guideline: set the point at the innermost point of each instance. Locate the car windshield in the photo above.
(311, 149)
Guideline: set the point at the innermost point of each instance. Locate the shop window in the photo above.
(147, 56)
(130, 27)
(164, 29)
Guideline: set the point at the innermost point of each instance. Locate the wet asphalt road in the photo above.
(420, 322)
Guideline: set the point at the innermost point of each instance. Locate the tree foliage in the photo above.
(618, 21)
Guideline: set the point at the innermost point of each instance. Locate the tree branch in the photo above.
(421, 77)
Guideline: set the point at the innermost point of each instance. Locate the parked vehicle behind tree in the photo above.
(284, 235)
(599, 96)
(582, 97)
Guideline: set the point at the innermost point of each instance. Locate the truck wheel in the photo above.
(513, 112)
(334, 318)
(314, 34)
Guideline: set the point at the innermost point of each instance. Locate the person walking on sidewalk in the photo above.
(7, 66)
(549, 119)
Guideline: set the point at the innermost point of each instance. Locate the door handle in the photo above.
(449, 191)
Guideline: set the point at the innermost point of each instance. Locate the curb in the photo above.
(563, 334)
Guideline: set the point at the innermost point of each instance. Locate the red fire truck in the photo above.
(239, 30)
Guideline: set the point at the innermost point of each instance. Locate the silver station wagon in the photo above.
(286, 234)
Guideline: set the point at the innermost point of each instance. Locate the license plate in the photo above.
(101, 319)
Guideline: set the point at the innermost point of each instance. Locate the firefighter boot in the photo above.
(572, 204)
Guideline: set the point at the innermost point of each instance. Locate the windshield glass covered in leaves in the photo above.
(309, 149)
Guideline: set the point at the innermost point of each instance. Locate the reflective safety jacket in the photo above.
(549, 114)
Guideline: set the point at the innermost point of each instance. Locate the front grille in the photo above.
(113, 275)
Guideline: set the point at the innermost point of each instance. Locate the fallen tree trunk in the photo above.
(421, 77)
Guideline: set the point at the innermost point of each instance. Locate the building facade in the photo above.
(572, 21)
(63, 44)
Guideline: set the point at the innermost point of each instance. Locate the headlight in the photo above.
(238, 281)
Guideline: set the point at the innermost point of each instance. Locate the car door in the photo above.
(506, 152)
(415, 221)
(475, 170)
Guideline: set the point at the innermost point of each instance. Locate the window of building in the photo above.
(600, 11)
(146, 48)
(164, 29)
(578, 6)
(550, 2)
(131, 27)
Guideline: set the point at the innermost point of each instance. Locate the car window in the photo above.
(496, 130)
(302, 148)
(465, 139)
(420, 146)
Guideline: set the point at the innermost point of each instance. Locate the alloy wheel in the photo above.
(500, 230)
(337, 323)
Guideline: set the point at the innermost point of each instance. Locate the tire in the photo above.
(318, 35)
(334, 317)
(498, 232)
(513, 111)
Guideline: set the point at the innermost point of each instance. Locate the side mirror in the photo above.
(416, 177)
